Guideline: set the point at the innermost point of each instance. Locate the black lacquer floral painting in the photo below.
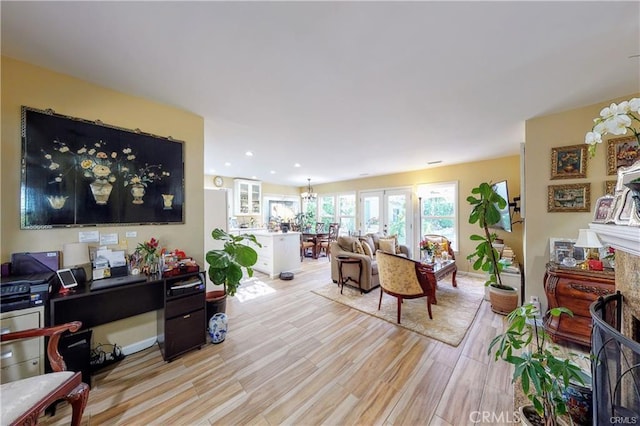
(77, 172)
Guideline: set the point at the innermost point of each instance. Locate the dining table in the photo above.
(316, 237)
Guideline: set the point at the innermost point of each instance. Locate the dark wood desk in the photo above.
(102, 306)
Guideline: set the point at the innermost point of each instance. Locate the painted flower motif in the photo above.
(144, 175)
(616, 119)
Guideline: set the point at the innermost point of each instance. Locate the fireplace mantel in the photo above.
(625, 238)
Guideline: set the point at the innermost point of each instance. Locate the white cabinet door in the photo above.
(248, 197)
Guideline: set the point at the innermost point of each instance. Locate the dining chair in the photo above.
(305, 245)
(24, 400)
(319, 227)
(325, 243)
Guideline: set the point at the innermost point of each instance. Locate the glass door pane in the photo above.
(371, 212)
(396, 214)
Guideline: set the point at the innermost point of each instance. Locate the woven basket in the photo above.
(503, 301)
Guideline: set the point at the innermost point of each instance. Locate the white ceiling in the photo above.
(345, 89)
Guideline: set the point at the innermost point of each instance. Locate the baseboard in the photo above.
(139, 346)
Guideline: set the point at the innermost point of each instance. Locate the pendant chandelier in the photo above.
(309, 195)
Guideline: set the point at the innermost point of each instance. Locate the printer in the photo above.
(32, 275)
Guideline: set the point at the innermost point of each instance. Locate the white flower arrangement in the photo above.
(616, 119)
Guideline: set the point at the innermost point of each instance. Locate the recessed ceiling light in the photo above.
(296, 165)
(364, 174)
(254, 177)
(249, 154)
(434, 162)
(273, 172)
(227, 164)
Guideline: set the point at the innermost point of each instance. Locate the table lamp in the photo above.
(589, 241)
(76, 255)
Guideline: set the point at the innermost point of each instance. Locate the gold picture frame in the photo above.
(569, 198)
(569, 162)
(622, 152)
(610, 187)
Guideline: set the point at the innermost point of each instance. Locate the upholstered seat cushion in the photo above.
(22, 395)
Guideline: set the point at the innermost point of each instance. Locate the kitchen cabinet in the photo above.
(23, 358)
(280, 252)
(574, 289)
(248, 197)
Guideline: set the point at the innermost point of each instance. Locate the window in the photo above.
(347, 213)
(326, 209)
(439, 210)
(334, 208)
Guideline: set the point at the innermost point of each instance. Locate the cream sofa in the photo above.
(344, 246)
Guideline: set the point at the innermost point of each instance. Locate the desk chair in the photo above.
(24, 400)
(403, 278)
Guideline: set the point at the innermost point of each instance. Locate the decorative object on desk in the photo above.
(616, 119)
(149, 255)
(569, 162)
(603, 207)
(588, 240)
(569, 198)
(542, 373)
(218, 327)
(226, 264)
(563, 248)
(486, 212)
(72, 180)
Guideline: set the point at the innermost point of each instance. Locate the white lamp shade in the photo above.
(75, 254)
(588, 239)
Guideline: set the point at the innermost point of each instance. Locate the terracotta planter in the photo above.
(503, 301)
(216, 302)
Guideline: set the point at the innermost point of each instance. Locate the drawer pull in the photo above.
(187, 316)
(6, 355)
(5, 330)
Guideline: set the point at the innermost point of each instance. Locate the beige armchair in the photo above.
(344, 246)
(404, 279)
(24, 400)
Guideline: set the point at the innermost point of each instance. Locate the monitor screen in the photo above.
(505, 214)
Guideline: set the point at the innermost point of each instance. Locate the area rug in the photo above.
(452, 316)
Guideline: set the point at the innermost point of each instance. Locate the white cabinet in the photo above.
(248, 197)
(23, 358)
(280, 252)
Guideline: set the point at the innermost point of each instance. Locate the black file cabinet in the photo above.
(182, 320)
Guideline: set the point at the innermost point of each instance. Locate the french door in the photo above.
(388, 212)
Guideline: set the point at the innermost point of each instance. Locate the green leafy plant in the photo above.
(226, 264)
(304, 220)
(485, 213)
(542, 374)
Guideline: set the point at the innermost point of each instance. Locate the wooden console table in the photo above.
(574, 289)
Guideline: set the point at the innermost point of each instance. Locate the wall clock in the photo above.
(218, 181)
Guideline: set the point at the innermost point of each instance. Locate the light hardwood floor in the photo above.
(293, 357)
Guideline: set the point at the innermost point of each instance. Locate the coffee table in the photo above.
(438, 270)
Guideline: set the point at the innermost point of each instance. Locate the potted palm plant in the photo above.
(544, 377)
(485, 213)
(226, 265)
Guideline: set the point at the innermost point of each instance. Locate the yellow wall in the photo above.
(25, 84)
(542, 134)
(468, 175)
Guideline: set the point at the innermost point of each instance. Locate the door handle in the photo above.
(6, 355)
(186, 316)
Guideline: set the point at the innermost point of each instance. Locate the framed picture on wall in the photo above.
(569, 162)
(569, 198)
(81, 173)
(610, 187)
(622, 152)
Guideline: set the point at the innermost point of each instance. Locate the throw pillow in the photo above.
(388, 245)
(367, 249)
(346, 243)
(357, 247)
(395, 237)
(369, 240)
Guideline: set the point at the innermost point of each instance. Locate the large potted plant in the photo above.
(226, 265)
(485, 213)
(543, 375)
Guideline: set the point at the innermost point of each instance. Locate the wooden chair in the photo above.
(403, 278)
(306, 245)
(319, 227)
(24, 400)
(325, 243)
